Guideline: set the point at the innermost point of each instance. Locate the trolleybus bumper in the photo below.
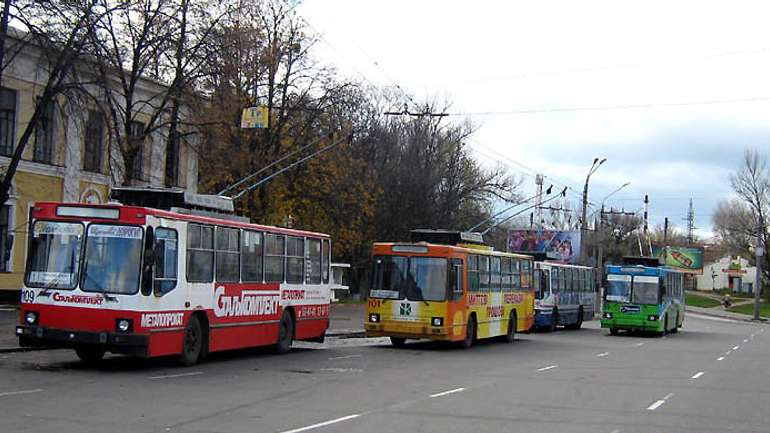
(543, 318)
(38, 336)
(423, 332)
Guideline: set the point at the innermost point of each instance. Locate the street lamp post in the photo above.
(584, 224)
(760, 251)
(600, 258)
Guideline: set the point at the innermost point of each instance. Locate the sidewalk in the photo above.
(9, 317)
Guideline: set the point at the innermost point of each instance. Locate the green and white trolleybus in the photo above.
(643, 298)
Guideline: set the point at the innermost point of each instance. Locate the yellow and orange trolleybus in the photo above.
(449, 286)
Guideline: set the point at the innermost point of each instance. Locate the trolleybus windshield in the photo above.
(113, 258)
(54, 257)
(645, 290)
(414, 278)
(618, 288)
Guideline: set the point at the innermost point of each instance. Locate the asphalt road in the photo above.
(711, 377)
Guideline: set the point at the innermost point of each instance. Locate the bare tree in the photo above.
(60, 32)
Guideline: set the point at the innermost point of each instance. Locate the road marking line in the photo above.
(697, 375)
(615, 431)
(547, 368)
(639, 344)
(720, 358)
(728, 352)
(660, 402)
(7, 309)
(24, 391)
(171, 376)
(344, 357)
(451, 391)
(342, 370)
(323, 424)
(656, 405)
(745, 340)
(736, 347)
(599, 355)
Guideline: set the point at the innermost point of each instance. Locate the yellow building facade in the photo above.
(59, 164)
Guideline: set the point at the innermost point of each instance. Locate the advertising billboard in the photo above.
(561, 246)
(688, 259)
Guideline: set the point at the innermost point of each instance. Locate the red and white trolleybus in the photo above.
(152, 282)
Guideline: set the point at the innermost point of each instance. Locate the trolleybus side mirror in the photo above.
(149, 262)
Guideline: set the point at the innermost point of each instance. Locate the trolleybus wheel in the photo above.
(676, 324)
(470, 333)
(554, 321)
(193, 342)
(614, 331)
(285, 333)
(397, 341)
(90, 354)
(579, 322)
(665, 326)
(511, 335)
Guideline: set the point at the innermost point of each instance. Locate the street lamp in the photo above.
(584, 224)
(613, 192)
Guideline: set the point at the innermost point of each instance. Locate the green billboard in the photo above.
(688, 259)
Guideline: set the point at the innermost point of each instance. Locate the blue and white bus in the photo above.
(565, 295)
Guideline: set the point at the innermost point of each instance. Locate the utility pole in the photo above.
(760, 250)
(665, 232)
(539, 201)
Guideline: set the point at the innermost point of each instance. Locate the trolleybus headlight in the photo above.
(652, 318)
(608, 315)
(123, 325)
(30, 317)
(437, 321)
(374, 318)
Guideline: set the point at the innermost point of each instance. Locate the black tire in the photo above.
(285, 333)
(614, 331)
(90, 355)
(579, 322)
(397, 341)
(676, 324)
(554, 321)
(192, 346)
(470, 333)
(510, 337)
(665, 326)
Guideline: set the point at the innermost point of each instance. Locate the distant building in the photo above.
(69, 158)
(729, 272)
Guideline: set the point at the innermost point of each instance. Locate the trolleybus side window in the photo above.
(314, 261)
(251, 257)
(507, 278)
(455, 279)
(473, 273)
(325, 259)
(515, 274)
(200, 253)
(228, 253)
(295, 259)
(556, 280)
(526, 274)
(166, 257)
(274, 257)
(495, 278)
(484, 273)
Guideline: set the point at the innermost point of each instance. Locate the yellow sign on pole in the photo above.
(254, 117)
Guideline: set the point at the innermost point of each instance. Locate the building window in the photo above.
(43, 151)
(172, 161)
(7, 121)
(136, 150)
(94, 138)
(6, 239)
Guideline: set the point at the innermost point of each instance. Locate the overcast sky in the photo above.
(671, 93)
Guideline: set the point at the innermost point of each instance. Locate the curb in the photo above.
(705, 312)
(22, 349)
(346, 334)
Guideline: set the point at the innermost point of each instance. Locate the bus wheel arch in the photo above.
(554, 320)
